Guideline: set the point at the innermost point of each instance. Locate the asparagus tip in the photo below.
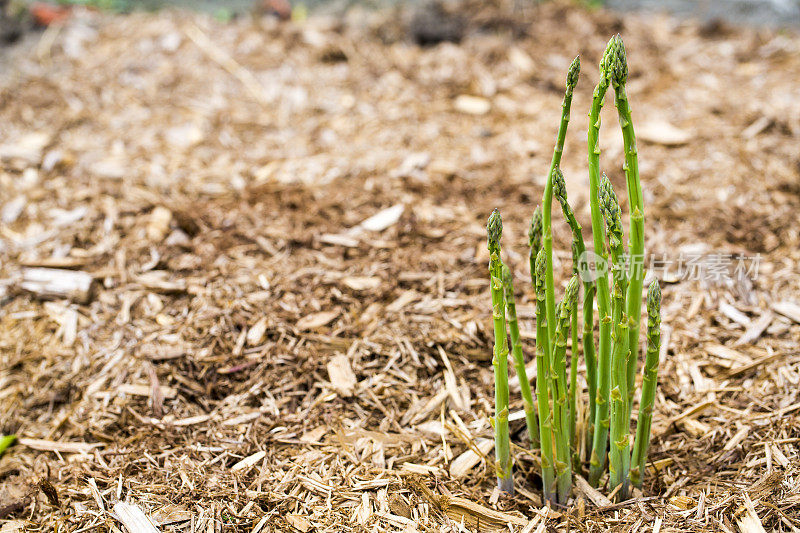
(571, 293)
(573, 72)
(541, 266)
(654, 299)
(609, 205)
(620, 61)
(559, 185)
(535, 231)
(495, 229)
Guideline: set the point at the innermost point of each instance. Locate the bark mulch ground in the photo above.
(285, 323)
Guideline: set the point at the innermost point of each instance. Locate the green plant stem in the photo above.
(579, 256)
(649, 383)
(6, 441)
(543, 381)
(519, 359)
(601, 421)
(502, 441)
(573, 384)
(560, 407)
(619, 449)
(636, 208)
(547, 198)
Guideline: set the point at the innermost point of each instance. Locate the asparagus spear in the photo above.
(573, 367)
(601, 421)
(543, 380)
(519, 358)
(619, 451)
(547, 199)
(502, 442)
(636, 205)
(579, 251)
(649, 383)
(560, 413)
(535, 241)
(6, 441)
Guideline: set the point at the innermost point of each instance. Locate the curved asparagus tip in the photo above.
(559, 186)
(654, 306)
(541, 267)
(535, 231)
(619, 73)
(573, 73)
(494, 229)
(609, 206)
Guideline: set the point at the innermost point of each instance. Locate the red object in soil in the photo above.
(280, 8)
(45, 14)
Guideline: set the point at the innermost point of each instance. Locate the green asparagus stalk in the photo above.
(619, 450)
(573, 367)
(543, 380)
(502, 442)
(5, 442)
(547, 199)
(636, 205)
(609, 206)
(519, 358)
(560, 408)
(649, 382)
(535, 241)
(579, 249)
(601, 421)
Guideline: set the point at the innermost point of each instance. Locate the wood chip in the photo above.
(594, 495)
(661, 132)
(788, 309)
(54, 283)
(133, 518)
(317, 320)
(383, 219)
(465, 462)
(472, 105)
(249, 461)
(341, 375)
(56, 446)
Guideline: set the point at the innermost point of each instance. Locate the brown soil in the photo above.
(209, 178)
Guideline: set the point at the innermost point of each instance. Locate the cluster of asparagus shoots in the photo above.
(611, 368)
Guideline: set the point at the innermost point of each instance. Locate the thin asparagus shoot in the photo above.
(543, 381)
(560, 408)
(5, 442)
(636, 208)
(519, 358)
(601, 420)
(649, 383)
(547, 200)
(502, 441)
(535, 241)
(573, 367)
(579, 248)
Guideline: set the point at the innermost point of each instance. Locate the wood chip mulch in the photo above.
(276, 316)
